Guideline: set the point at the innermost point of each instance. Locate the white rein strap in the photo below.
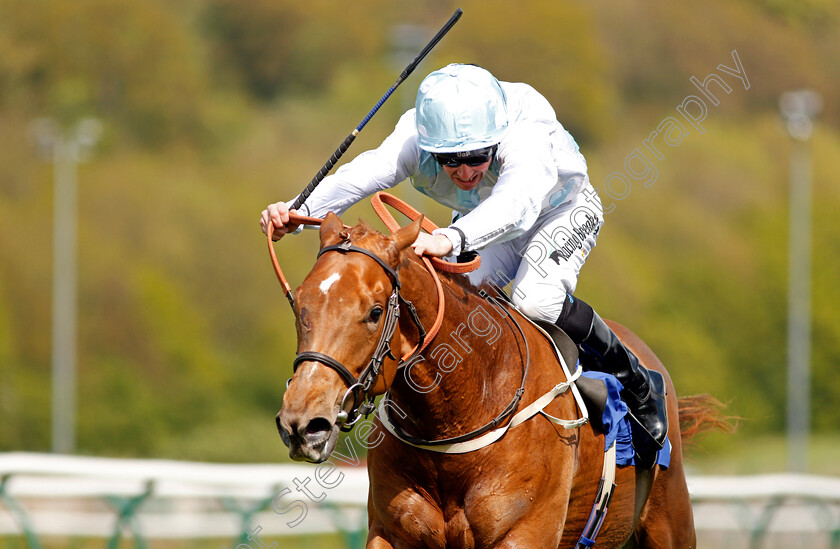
(485, 440)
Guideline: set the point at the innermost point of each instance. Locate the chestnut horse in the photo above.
(534, 487)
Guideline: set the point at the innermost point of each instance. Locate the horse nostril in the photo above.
(280, 429)
(318, 426)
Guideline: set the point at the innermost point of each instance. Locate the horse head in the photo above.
(346, 310)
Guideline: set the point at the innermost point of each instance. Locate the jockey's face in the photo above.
(467, 177)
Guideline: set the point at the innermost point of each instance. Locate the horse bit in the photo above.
(359, 389)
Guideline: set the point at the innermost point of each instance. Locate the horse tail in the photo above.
(701, 413)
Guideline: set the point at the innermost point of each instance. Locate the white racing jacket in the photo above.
(537, 171)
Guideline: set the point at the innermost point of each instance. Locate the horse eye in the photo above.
(375, 314)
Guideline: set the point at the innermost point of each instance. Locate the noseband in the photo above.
(359, 388)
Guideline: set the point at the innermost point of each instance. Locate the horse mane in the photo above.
(361, 230)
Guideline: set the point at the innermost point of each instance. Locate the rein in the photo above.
(359, 388)
(460, 442)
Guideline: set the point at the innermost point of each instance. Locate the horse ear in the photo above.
(332, 230)
(406, 236)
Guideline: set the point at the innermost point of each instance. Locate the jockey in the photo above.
(495, 153)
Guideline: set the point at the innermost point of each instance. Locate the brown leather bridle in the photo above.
(359, 388)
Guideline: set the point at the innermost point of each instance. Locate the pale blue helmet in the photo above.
(460, 108)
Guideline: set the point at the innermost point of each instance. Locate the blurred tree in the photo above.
(814, 15)
(134, 63)
(550, 45)
(658, 45)
(274, 47)
(185, 338)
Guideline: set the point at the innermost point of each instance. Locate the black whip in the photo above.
(346, 144)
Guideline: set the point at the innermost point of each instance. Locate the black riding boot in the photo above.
(644, 390)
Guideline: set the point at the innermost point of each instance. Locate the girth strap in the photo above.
(606, 488)
(470, 443)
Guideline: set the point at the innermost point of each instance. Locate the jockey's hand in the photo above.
(278, 214)
(436, 245)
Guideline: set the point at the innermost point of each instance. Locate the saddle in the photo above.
(592, 391)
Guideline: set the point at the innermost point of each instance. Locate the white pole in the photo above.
(65, 158)
(799, 108)
(65, 152)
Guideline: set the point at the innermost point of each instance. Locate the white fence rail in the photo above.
(48, 495)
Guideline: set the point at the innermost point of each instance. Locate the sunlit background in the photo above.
(140, 139)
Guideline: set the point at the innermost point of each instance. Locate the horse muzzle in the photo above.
(311, 440)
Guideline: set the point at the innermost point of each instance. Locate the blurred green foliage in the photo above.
(214, 109)
(137, 63)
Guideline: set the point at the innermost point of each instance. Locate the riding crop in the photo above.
(346, 144)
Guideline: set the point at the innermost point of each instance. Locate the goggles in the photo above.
(470, 158)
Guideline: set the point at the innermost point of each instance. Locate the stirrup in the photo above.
(649, 421)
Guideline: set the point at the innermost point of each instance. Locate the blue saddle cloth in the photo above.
(617, 424)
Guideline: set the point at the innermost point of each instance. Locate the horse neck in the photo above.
(471, 368)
